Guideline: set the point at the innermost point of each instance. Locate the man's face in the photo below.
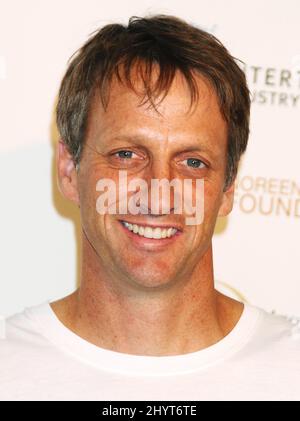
(173, 144)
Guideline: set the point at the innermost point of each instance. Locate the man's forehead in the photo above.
(125, 119)
(126, 99)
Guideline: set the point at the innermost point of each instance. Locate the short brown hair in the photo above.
(171, 43)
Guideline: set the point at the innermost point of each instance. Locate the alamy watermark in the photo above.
(133, 197)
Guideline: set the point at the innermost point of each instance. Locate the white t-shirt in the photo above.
(40, 359)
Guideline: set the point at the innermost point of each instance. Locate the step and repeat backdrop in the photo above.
(256, 249)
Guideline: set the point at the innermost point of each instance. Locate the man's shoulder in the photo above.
(279, 326)
(29, 361)
(277, 335)
(21, 332)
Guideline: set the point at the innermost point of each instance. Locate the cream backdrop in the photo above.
(256, 249)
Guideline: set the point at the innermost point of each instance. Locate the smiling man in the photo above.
(158, 99)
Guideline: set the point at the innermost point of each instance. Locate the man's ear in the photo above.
(66, 173)
(227, 200)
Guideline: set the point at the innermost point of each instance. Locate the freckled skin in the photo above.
(132, 299)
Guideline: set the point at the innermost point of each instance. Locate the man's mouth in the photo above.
(145, 231)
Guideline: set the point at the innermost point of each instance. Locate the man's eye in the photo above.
(195, 163)
(124, 154)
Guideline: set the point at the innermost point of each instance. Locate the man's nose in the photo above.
(160, 169)
(161, 199)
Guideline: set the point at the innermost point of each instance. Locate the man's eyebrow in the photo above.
(126, 137)
(131, 138)
(198, 146)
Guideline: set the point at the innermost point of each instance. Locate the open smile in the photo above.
(150, 232)
(151, 237)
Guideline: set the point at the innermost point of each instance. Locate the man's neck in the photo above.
(171, 321)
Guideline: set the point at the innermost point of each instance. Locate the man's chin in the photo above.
(148, 277)
(152, 283)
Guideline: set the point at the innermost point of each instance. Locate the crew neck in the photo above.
(51, 328)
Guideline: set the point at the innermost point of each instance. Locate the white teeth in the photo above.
(156, 233)
(148, 232)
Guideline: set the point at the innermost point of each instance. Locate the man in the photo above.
(156, 100)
